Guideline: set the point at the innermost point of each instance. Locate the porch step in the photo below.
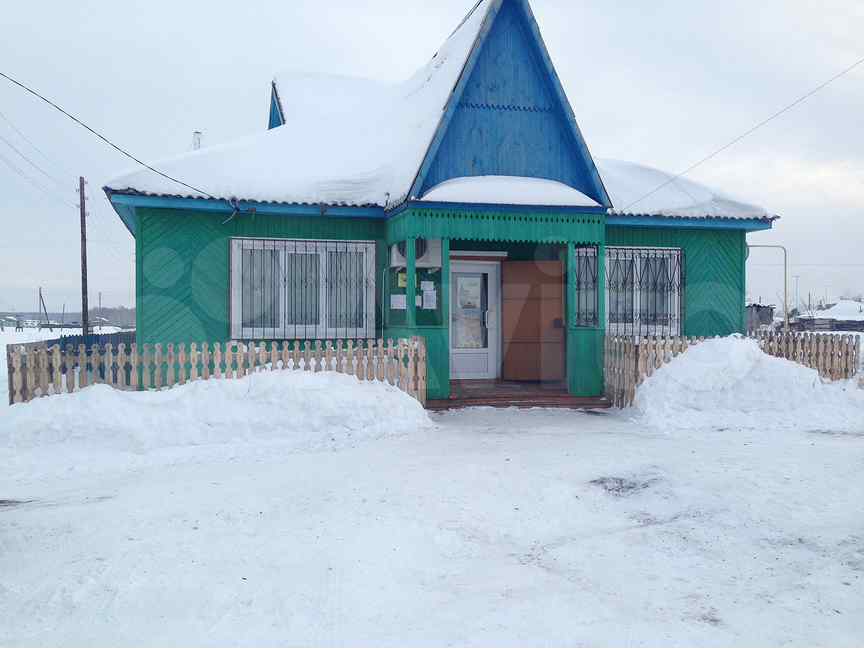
(554, 401)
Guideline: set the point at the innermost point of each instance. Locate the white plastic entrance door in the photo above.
(475, 337)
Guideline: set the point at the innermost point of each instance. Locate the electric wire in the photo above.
(747, 133)
(31, 162)
(24, 137)
(104, 138)
(48, 192)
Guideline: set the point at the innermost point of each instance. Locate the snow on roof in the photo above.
(345, 141)
(640, 190)
(845, 309)
(508, 190)
(358, 142)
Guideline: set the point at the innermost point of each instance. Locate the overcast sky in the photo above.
(662, 83)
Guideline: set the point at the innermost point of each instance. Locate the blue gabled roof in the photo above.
(509, 114)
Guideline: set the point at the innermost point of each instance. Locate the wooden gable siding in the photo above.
(182, 273)
(276, 118)
(508, 120)
(714, 260)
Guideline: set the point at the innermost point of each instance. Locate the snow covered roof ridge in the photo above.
(639, 190)
(321, 155)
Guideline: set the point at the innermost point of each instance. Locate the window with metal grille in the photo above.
(645, 291)
(298, 289)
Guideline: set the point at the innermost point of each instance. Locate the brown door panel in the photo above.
(532, 312)
(534, 362)
(533, 320)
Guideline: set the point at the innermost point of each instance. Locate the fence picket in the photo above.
(274, 356)
(83, 372)
(56, 369)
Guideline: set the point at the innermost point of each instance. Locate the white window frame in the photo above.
(285, 331)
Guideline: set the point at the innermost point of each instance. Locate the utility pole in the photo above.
(797, 294)
(785, 280)
(82, 203)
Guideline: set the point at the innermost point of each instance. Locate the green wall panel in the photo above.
(182, 271)
(714, 273)
(496, 226)
(585, 351)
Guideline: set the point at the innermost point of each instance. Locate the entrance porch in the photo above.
(508, 303)
(501, 393)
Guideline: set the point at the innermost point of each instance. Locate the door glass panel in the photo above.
(470, 304)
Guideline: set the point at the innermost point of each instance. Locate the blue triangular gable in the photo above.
(509, 115)
(276, 117)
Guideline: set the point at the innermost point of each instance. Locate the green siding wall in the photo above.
(183, 281)
(183, 258)
(714, 273)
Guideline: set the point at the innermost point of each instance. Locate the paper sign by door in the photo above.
(430, 300)
(469, 292)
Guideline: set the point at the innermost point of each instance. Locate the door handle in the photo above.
(486, 319)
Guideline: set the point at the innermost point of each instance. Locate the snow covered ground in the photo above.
(477, 528)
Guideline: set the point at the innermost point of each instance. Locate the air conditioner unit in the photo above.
(428, 254)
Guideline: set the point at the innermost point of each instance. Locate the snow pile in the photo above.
(303, 410)
(508, 190)
(730, 383)
(845, 309)
(638, 189)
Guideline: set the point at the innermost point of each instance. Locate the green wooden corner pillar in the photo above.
(585, 343)
(411, 286)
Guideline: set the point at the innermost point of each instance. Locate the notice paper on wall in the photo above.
(427, 285)
(430, 300)
(398, 302)
(418, 301)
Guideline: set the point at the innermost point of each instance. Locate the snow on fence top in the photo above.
(358, 142)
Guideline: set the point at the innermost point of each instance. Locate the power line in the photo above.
(811, 265)
(103, 138)
(30, 162)
(732, 143)
(47, 191)
(31, 143)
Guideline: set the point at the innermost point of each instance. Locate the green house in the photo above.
(462, 205)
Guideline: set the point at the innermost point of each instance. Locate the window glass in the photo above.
(260, 288)
(346, 289)
(302, 288)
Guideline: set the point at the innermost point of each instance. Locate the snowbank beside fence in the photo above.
(303, 410)
(730, 383)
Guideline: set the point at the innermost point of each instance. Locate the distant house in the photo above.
(758, 316)
(462, 205)
(845, 315)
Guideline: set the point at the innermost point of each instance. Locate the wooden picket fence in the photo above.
(835, 357)
(629, 361)
(37, 371)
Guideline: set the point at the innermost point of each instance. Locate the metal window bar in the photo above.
(586, 301)
(302, 289)
(645, 291)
